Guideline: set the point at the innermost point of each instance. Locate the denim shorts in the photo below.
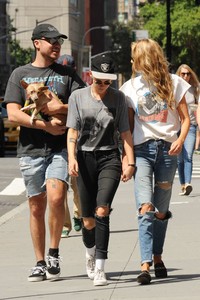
(98, 180)
(36, 170)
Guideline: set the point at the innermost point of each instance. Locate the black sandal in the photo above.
(144, 277)
(160, 270)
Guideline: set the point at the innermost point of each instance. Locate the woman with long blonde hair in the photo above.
(185, 158)
(158, 111)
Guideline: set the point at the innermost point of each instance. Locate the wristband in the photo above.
(131, 165)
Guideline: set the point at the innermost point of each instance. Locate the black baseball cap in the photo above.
(46, 31)
(102, 67)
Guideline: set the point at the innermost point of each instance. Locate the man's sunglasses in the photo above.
(106, 82)
(185, 73)
(53, 41)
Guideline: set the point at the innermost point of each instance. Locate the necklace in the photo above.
(98, 96)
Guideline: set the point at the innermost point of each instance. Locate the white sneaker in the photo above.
(100, 278)
(38, 273)
(182, 193)
(90, 265)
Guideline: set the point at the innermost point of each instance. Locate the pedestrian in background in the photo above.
(156, 100)
(42, 145)
(96, 116)
(68, 60)
(185, 158)
(198, 124)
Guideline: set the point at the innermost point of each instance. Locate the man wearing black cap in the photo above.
(42, 144)
(97, 115)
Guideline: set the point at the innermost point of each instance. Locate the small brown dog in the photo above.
(38, 95)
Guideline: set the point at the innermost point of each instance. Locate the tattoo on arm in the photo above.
(72, 140)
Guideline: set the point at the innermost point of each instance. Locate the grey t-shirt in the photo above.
(99, 122)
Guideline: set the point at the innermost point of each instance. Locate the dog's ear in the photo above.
(23, 84)
(43, 88)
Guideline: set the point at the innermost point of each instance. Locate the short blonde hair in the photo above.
(149, 60)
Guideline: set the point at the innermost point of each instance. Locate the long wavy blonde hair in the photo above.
(149, 60)
(194, 81)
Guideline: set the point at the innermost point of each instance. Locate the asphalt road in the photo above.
(181, 252)
(10, 177)
(9, 170)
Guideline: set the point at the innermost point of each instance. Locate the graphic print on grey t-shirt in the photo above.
(98, 126)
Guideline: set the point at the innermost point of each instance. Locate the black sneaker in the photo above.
(160, 270)
(38, 273)
(77, 224)
(188, 189)
(53, 267)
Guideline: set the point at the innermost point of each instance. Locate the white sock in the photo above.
(90, 251)
(99, 264)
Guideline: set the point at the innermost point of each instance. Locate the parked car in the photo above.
(11, 130)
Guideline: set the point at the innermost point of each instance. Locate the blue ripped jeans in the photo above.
(185, 158)
(155, 171)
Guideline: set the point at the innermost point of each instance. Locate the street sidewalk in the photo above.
(181, 256)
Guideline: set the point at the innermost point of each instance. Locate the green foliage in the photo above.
(185, 33)
(155, 18)
(121, 37)
(185, 39)
(19, 56)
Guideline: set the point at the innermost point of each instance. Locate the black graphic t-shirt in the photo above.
(62, 81)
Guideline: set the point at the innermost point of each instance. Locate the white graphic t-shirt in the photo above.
(153, 119)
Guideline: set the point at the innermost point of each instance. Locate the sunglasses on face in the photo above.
(53, 41)
(185, 73)
(106, 82)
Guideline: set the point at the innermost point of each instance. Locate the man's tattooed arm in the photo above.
(72, 140)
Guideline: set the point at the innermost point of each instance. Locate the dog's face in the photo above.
(33, 90)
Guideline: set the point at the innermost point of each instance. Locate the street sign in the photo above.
(140, 34)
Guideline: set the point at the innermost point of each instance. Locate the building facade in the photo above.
(80, 20)
(64, 15)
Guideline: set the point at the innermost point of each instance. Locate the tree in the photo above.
(185, 20)
(19, 56)
(121, 37)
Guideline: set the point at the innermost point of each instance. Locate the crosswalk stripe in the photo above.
(195, 171)
(16, 187)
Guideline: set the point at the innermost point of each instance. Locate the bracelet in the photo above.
(131, 165)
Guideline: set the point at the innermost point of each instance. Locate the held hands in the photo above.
(73, 167)
(127, 172)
